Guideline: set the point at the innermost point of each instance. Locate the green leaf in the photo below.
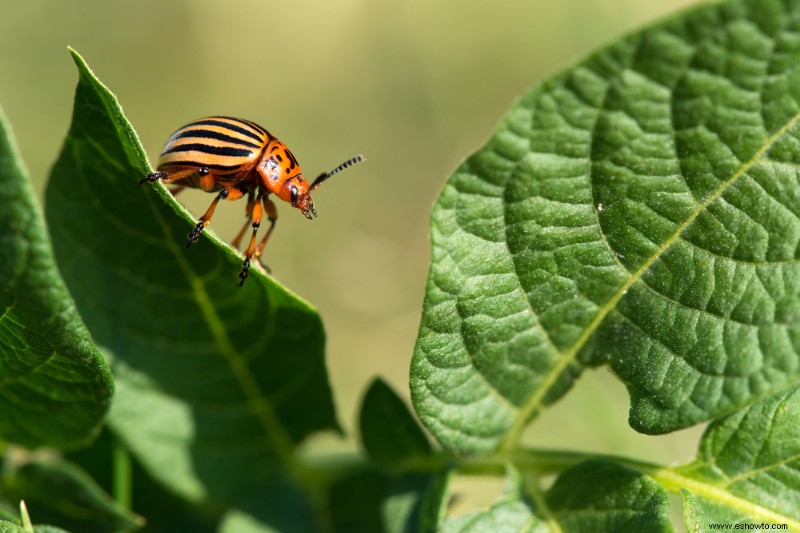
(597, 496)
(10, 527)
(748, 467)
(55, 386)
(513, 511)
(216, 383)
(62, 493)
(272, 508)
(133, 488)
(601, 496)
(354, 502)
(642, 210)
(371, 499)
(389, 431)
(392, 437)
(415, 503)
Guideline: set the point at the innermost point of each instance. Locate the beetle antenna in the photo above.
(325, 175)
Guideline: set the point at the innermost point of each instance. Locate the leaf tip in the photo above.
(77, 57)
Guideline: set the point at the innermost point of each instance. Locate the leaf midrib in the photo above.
(512, 437)
(671, 479)
(261, 407)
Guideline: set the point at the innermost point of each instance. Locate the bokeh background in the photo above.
(415, 85)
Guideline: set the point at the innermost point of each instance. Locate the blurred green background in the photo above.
(415, 85)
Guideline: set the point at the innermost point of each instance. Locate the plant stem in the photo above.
(122, 475)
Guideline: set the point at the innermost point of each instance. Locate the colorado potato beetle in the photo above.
(236, 157)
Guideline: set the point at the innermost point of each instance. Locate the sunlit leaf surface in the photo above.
(641, 210)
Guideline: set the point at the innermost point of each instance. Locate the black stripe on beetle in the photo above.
(220, 156)
(294, 162)
(221, 168)
(217, 136)
(251, 124)
(227, 125)
(209, 149)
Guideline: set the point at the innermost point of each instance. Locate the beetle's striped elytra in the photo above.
(234, 157)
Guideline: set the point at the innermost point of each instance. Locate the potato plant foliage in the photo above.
(640, 210)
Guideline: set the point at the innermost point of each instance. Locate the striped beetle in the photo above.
(236, 156)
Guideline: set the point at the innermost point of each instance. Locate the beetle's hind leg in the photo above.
(171, 177)
(225, 194)
(206, 181)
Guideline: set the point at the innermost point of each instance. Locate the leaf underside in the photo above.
(55, 386)
(641, 210)
(216, 384)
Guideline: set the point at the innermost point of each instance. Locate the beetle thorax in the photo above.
(277, 167)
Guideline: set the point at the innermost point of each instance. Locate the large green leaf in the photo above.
(642, 210)
(748, 468)
(216, 383)
(55, 386)
(595, 496)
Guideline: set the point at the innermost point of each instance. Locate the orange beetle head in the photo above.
(300, 192)
(297, 192)
(295, 189)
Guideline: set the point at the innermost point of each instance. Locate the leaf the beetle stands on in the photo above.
(55, 387)
(641, 210)
(216, 384)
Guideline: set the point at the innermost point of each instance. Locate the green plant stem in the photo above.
(122, 475)
(539, 462)
(325, 470)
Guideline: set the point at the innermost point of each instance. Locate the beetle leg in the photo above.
(272, 215)
(237, 241)
(205, 220)
(248, 254)
(171, 177)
